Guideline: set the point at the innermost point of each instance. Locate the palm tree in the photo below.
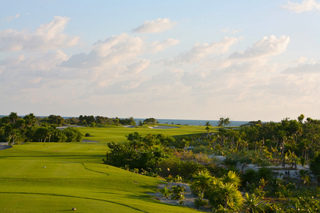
(232, 177)
(226, 196)
(30, 119)
(13, 117)
(11, 134)
(254, 204)
(224, 193)
(201, 181)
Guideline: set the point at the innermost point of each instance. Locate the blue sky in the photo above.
(246, 60)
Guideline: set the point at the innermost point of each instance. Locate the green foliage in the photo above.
(138, 153)
(315, 166)
(201, 182)
(150, 121)
(199, 202)
(253, 203)
(174, 166)
(166, 192)
(306, 204)
(223, 122)
(73, 135)
(274, 208)
(223, 193)
(232, 178)
(177, 192)
(232, 160)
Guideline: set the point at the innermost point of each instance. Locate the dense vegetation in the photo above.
(294, 142)
(14, 129)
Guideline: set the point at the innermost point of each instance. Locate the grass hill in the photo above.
(56, 177)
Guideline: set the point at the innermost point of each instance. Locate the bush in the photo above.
(248, 177)
(166, 192)
(232, 160)
(200, 202)
(177, 192)
(174, 166)
(265, 173)
(73, 135)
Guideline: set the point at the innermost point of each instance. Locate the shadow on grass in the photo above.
(91, 170)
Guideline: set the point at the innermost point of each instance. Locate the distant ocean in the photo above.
(178, 121)
(193, 122)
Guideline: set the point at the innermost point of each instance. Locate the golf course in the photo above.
(62, 177)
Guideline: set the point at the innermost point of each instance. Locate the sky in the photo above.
(183, 59)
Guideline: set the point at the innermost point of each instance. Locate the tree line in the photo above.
(15, 129)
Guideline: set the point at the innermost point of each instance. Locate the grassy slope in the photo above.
(118, 133)
(73, 177)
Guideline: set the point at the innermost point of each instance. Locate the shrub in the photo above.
(166, 192)
(232, 160)
(265, 173)
(248, 177)
(174, 166)
(200, 202)
(177, 192)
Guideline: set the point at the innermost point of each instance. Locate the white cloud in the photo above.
(302, 60)
(306, 5)
(267, 46)
(200, 51)
(109, 52)
(11, 18)
(155, 26)
(47, 36)
(160, 46)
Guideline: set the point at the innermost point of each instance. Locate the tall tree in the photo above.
(13, 117)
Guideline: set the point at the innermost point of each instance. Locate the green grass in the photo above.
(55, 177)
(118, 133)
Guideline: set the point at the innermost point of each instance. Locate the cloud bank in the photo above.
(306, 5)
(47, 36)
(267, 46)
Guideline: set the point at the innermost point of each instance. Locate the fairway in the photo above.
(56, 177)
(118, 133)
